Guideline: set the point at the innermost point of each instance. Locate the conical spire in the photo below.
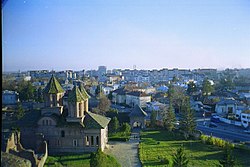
(84, 92)
(75, 95)
(53, 86)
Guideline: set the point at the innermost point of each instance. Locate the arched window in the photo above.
(47, 122)
(80, 109)
(92, 140)
(43, 122)
(87, 141)
(97, 140)
(74, 142)
(62, 133)
(54, 100)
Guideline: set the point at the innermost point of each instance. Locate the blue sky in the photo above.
(151, 34)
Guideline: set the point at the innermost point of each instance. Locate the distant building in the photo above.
(137, 98)
(245, 118)
(226, 106)
(9, 97)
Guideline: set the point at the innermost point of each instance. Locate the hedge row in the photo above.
(118, 139)
(215, 141)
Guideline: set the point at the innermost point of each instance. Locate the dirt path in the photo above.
(126, 152)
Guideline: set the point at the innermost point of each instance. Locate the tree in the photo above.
(228, 159)
(114, 125)
(176, 95)
(226, 83)
(20, 111)
(179, 158)
(191, 88)
(175, 79)
(39, 95)
(125, 128)
(98, 90)
(26, 91)
(99, 159)
(207, 87)
(153, 118)
(169, 118)
(112, 113)
(187, 120)
(104, 104)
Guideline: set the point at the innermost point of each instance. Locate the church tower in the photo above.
(53, 94)
(77, 104)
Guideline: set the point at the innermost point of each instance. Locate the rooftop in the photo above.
(138, 112)
(95, 121)
(75, 95)
(53, 86)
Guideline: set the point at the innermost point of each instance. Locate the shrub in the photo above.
(99, 159)
(215, 141)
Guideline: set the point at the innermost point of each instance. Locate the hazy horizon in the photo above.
(62, 34)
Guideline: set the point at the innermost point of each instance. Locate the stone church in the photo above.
(66, 123)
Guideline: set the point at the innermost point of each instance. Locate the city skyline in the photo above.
(80, 35)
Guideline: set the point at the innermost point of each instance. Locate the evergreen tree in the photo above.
(114, 125)
(98, 90)
(207, 87)
(187, 120)
(125, 128)
(179, 158)
(191, 88)
(20, 111)
(169, 118)
(153, 118)
(26, 91)
(228, 159)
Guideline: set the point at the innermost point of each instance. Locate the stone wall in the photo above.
(15, 147)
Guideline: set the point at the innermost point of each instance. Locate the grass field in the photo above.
(160, 145)
(76, 160)
(119, 136)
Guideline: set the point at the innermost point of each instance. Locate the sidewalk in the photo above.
(126, 152)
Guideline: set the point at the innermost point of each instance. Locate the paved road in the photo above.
(224, 133)
(126, 152)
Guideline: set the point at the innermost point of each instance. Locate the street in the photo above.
(224, 134)
(223, 130)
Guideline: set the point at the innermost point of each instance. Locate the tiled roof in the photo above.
(120, 91)
(95, 121)
(53, 86)
(75, 95)
(138, 112)
(246, 112)
(83, 91)
(137, 93)
(226, 101)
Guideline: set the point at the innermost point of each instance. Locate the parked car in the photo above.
(212, 125)
(215, 119)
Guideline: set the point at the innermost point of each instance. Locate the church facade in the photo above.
(70, 127)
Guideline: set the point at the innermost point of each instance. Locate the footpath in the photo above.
(126, 152)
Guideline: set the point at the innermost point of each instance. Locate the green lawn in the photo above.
(119, 136)
(160, 145)
(76, 160)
